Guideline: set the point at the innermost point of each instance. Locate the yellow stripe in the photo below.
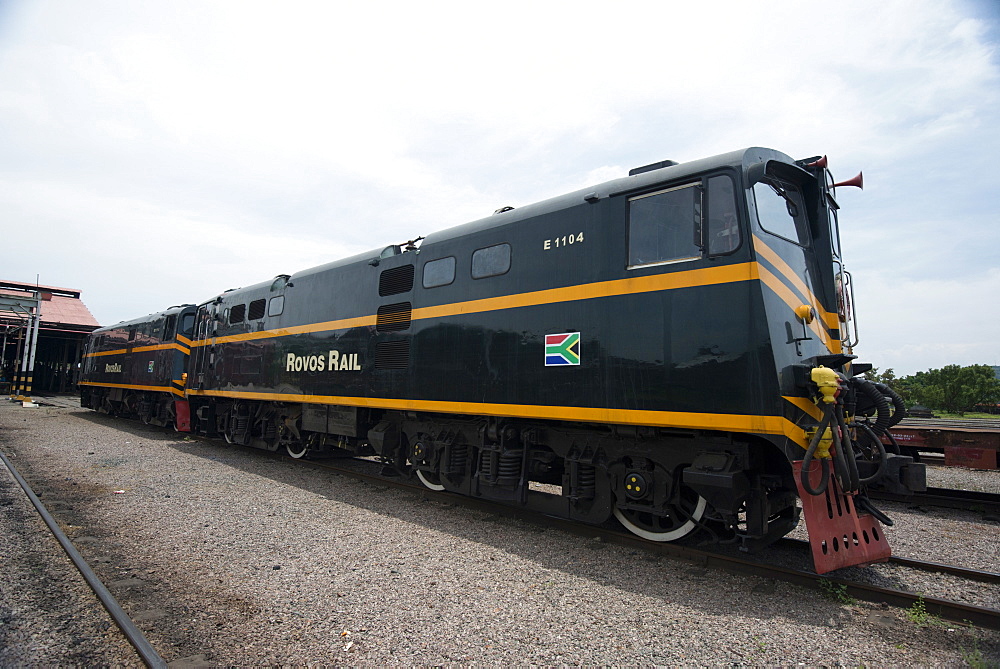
(342, 324)
(184, 340)
(832, 320)
(806, 405)
(645, 284)
(119, 351)
(142, 349)
(789, 298)
(127, 386)
(701, 421)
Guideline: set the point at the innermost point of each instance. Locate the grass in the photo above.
(835, 592)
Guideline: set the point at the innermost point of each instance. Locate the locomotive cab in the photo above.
(795, 232)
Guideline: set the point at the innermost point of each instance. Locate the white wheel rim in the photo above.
(672, 535)
(433, 486)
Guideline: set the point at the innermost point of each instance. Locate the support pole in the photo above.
(28, 313)
(18, 358)
(30, 357)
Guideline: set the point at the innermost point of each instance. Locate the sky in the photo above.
(157, 153)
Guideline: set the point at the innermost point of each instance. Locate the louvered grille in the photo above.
(393, 317)
(392, 354)
(396, 280)
(237, 313)
(256, 310)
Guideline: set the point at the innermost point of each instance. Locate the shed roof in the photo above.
(60, 306)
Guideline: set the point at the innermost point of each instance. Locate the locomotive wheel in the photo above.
(298, 448)
(432, 481)
(303, 448)
(681, 522)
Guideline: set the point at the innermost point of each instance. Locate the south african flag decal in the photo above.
(562, 349)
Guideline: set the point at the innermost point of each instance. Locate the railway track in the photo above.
(948, 498)
(956, 612)
(970, 424)
(135, 637)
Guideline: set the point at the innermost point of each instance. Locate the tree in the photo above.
(953, 388)
(888, 377)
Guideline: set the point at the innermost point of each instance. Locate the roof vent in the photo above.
(652, 166)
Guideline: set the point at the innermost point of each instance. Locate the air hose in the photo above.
(898, 407)
(883, 419)
(881, 454)
(847, 451)
(810, 452)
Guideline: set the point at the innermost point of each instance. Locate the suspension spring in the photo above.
(509, 467)
(458, 454)
(586, 478)
(488, 465)
(242, 423)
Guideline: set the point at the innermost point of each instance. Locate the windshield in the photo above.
(781, 210)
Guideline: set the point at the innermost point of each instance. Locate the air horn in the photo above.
(856, 181)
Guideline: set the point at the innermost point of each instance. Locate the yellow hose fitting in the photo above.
(822, 451)
(828, 382)
(825, 442)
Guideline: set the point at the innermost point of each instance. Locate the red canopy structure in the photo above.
(63, 324)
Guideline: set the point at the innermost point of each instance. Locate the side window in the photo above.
(168, 328)
(663, 226)
(256, 310)
(237, 313)
(781, 210)
(276, 305)
(187, 325)
(723, 223)
(491, 261)
(439, 272)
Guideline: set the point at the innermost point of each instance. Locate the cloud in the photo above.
(952, 322)
(218, 143)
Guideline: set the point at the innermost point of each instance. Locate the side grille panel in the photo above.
(392, 355)
(393, 317)
(395, 281)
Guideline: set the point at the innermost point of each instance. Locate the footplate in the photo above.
(839, 537)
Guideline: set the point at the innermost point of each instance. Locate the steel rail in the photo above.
(965, 572)
(945, 497)
(128, 628)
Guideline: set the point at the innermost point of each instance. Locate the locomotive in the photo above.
(672, 349)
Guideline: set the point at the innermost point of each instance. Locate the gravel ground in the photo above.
(225, 557)
(48, 614)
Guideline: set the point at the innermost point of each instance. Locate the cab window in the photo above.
(664, 226)
(187, 324)
(723, 230)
